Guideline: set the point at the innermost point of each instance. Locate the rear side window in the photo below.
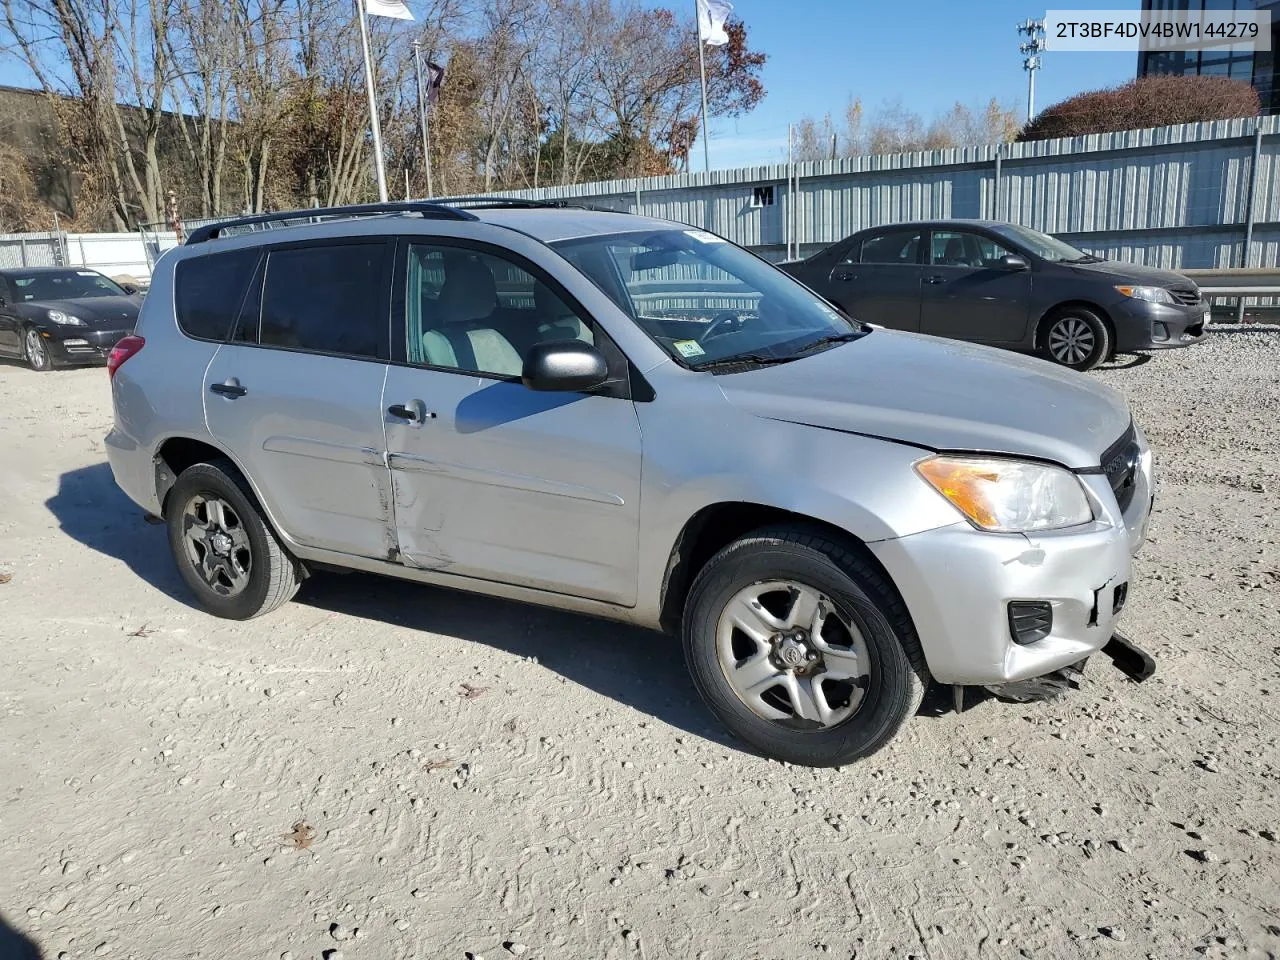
(328, 299)
(208, 291)
(900, 246)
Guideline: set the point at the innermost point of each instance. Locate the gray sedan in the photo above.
(1007, 286)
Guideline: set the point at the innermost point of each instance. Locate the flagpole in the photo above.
(379, 161)
(422, 117)
(702, 70)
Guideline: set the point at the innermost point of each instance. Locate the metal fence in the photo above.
(115, 254)
(1195, 196)
(1202, 195)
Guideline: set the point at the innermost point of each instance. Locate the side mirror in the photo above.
(129, 288)
(1011, 262)
(564, 365)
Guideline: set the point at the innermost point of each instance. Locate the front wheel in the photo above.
(36, 352)
(802, 648)
(1076, 338)
(226, 552)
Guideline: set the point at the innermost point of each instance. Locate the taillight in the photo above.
(121, 352)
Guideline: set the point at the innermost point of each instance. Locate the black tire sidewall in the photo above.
(1102, 347)
(888, 699)
(210, 479)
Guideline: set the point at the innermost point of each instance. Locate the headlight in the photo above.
(1151, 294)
(1009, 496)
(65, 319)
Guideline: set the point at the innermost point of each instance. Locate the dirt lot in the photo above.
(382, 770)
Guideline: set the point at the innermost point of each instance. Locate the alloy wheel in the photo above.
(791, 656)
(37, 353)
(217, 543)
(1071, 340)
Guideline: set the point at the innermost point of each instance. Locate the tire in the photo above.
(35, 352)
(1075, 337)
(243, 576)
(783, 568)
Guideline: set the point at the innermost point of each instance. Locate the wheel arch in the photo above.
(714, 527)
(1043, 322)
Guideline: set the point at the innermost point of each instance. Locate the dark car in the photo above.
(1007, 286)
(55, 316)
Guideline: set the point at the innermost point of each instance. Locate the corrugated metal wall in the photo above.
(1168, 196)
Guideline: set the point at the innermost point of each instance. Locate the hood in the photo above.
(940, 394)
(105, 313)
(1133, 273)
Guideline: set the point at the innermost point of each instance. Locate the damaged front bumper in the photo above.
(959, 583)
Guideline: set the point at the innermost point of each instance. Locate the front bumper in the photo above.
(1141, 325)
(77, 345)
(957, 583)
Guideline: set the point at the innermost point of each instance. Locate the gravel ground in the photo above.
(382, 770)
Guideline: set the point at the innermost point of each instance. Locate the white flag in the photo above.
(711, 17)
(388, 8)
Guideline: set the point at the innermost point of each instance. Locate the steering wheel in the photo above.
(723, 319)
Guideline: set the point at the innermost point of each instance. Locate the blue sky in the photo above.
(928, 53)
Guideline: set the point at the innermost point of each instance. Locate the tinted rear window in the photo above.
(900, 246)
(208, 291)
(327, 299)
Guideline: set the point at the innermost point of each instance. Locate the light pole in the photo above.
(1032, 61)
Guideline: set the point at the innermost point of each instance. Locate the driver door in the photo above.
(493, 480)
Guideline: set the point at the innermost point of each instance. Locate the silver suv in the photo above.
(634, 419)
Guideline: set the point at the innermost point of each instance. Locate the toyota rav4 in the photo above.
(638, 420)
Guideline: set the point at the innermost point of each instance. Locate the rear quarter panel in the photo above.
(159, 392)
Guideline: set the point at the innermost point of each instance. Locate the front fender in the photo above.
(863, 485)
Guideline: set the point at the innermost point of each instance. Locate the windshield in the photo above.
(706, 301)
(1042, 245)
(62, 285)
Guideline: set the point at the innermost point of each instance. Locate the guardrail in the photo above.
(1236, 283)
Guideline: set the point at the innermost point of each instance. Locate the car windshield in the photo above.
(707, 302)
(62, 285)
(1044, 246)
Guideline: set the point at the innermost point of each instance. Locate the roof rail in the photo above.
(436, 211)
(499, 203)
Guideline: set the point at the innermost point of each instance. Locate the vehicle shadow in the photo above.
(92, 510)
(639, 668)
(15, 945)
(1125, 361)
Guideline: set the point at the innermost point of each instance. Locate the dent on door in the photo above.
(508, 484)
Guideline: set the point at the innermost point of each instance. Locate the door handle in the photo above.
(843, 276)
(415, 411)
(935, 279)
(230, 388)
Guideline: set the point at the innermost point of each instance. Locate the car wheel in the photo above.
(36, 353)
(228, 555)
(1076, 338)
(802, 648)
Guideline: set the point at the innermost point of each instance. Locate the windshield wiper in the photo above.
(1087, 258)
(828, 340)
(744, 360)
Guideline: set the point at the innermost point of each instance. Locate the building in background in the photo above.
(1257, 69)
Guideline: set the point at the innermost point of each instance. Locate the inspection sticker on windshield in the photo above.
(703, 237)
(86, 273)
(688, 348)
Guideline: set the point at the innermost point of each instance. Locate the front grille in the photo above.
(1120, 465)
(1187, 296)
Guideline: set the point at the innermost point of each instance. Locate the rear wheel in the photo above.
(34, 349)
(802, 648)
(226, 552)
(1077, 338)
